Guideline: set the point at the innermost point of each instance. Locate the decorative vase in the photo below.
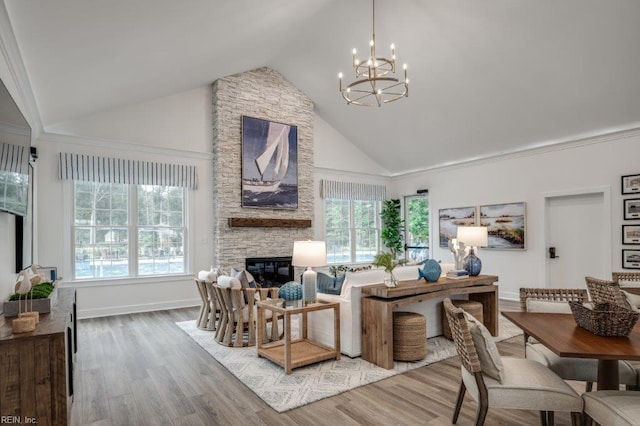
(472, 264)
(390, 279)
(431, 271)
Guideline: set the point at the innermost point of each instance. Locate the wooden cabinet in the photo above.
(36, 368)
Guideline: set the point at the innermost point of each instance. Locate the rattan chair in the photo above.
(628, 281)
(619, 408)
(580, 369)
(526, 385)
(605, 291)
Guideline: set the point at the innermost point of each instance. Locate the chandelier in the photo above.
(375, 82)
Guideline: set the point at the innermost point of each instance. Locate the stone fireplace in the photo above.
(262, 93)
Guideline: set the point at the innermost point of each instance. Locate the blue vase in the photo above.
(472, 264)
(430, 271)
(290, 291)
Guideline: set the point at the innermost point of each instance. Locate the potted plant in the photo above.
(387, 261)
(392, 226)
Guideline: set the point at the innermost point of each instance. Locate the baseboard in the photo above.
(509, 295)
(132, 309)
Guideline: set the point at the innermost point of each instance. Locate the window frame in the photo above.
(351, 230)
(132, 240)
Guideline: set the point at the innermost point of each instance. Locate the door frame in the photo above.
(606, 215)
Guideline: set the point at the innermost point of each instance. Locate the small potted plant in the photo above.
(387, 261)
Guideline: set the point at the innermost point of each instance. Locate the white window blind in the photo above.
(352, 191)
(14, 158)
(93, 168)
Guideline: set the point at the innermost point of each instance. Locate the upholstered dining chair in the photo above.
(554, 300)
(616, 408)
(627, 279)
(512, 383)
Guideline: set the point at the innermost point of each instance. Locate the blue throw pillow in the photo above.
(330, 285)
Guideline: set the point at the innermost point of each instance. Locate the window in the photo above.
(417, 227)
(123, 230)
(352, 230)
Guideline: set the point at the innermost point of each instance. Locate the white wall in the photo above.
(175, 129)
(528, 177)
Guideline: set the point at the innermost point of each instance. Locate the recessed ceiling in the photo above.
(487, 77)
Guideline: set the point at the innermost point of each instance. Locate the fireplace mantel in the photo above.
(252, 222)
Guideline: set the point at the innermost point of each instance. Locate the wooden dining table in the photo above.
(561, 334)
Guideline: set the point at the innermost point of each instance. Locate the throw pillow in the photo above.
(330, 285)
(488, 355)
(633, 300)
(226, 281)
(549, 306)
(246, 279)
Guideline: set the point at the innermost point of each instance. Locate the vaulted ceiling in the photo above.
(486, 76)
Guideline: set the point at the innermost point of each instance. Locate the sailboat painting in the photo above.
(269, 164)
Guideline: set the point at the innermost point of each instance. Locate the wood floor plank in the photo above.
(141, 369)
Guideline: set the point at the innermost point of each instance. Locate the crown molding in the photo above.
(348, 173)
(533, 149)
(11, 54)
(115, 145)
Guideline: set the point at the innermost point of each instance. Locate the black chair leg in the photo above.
(576, 419)
(589, 386)
(543, 418)
(483, 407)
(461, 392)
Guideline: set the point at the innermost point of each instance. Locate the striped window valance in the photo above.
(14, 158)
(115, 170)
(352, 191)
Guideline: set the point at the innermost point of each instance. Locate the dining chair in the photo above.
(605, 291)
(626, 279)
(554, 300)
(618, 408)
(510, 383)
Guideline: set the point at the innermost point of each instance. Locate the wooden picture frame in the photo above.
(506, 225)
(630, 184)
(631, 259)
(631, 234)
(450, 219)
(269, 164)
(631, 208)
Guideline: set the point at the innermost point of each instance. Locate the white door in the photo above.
(577, 228)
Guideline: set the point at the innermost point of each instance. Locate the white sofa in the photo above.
(320, 323)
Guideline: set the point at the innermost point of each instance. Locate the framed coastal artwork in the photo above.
(450, 219)
(630, 184)
(269, 164)
(506, 225)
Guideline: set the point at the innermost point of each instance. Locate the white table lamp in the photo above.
(473, 236)
(309, 254)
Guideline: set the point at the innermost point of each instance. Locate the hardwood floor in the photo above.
(141, 369)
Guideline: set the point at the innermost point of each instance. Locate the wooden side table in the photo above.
(289, 353)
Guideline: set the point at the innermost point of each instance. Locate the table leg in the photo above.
(336, 330)
(377, 332)
(489, 300)
(287, 343)
(608, 378)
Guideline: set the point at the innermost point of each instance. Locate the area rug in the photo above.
(312, 383)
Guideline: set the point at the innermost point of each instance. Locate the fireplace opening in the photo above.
(270, 271)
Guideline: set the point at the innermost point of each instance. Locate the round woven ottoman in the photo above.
(469, 306)
(409, 336)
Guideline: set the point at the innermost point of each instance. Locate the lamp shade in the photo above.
(309, 253)
(474, 236)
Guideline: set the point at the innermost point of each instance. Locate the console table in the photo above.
(36, 368)
(378, 302)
